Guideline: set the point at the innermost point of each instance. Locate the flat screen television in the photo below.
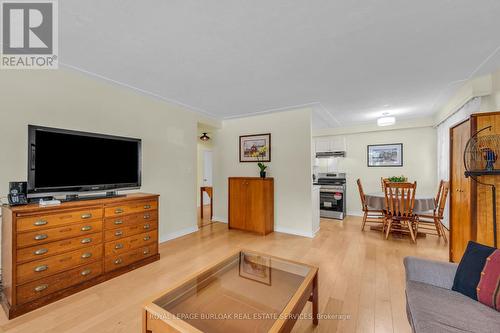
(64, 161)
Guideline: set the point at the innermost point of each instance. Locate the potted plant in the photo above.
(259, 154)
(396, 179)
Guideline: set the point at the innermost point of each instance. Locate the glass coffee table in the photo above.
(244, 292)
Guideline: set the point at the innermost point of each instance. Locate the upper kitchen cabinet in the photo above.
(330, 144)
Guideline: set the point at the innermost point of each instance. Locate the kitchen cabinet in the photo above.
(330, 144)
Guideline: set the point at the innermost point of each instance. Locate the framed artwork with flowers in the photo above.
(255, 148)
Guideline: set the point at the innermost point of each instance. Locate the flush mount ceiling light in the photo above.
(204, 137)
(386, 121)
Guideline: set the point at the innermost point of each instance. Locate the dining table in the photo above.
(424, 203)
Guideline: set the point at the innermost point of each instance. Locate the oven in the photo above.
(332, 196)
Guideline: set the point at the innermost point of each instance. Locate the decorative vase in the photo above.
(262, 174)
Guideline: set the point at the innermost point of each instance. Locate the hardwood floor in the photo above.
(361, 276)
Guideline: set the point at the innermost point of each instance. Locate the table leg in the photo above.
(201, 202)
(211, 207)
(315, 300)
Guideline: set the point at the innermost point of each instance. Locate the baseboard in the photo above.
(219, 219)
(292, 231)
(355, 213)
(178, 233)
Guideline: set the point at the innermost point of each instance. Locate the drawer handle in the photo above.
(118, 246)
(147, 206)
(86, 240)
(40, 222)
(118, 222)
(86, 228)
(86, 272)
(147, 216)
(147, 226)
(41, 236)
(40, 251)
(118, 261)
(118, 211)
(86, 216)
(118, 233)
(41, 287)
(147, 238)
(146, 251)
(86, 255)
(41, 268)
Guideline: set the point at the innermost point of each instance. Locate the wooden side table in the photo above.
(209, 191)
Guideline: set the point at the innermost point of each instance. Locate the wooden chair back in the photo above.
(438, 195)
(400, 199)
(383, 182)
(441, 203)
(362, 194)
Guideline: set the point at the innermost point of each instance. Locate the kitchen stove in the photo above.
(332, 203)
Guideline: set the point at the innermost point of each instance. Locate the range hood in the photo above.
(328, 154)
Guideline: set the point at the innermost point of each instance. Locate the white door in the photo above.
(207, 173)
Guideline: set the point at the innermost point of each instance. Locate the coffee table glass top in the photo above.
(245, 293)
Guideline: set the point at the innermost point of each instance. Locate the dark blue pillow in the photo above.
(470, 267)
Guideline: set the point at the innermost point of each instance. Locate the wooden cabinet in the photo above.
(461, 230)
(251, 204)
(470, 202)
(52, 252)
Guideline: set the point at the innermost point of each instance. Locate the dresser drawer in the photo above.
(55, 264)
(123, 221)
(49, 235)
(55, 220)
(123, 245)
(123, 232)
(130, 208)
(46, 286)
(46, 250)
(115, 262)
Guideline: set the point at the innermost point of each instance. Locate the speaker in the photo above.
(18, 193)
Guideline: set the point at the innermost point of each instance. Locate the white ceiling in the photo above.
(350, 59)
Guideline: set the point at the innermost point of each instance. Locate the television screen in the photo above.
(62, 161)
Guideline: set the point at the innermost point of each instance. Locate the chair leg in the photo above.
(412, 233)
(437, 225)
(389, 225)
(365, 215)
(443, 232)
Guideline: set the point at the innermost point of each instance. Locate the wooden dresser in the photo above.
(251, 204)
(51, 252)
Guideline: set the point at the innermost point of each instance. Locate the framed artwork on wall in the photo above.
(386, 155)
(255, 148)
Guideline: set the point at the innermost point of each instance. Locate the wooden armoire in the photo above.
(470, 202)
(251, 204)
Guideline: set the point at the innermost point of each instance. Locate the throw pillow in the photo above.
(470, 268)
(488, 289)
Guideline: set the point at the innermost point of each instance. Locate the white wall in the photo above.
(290, 165)
(71, 100)
(419, 162)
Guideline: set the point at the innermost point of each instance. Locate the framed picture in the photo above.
(388, 155)
(255, 267)
(255, 148)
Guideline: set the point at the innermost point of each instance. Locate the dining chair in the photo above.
(383, 182)
(433, 223)
(400, 202)
(369, 215)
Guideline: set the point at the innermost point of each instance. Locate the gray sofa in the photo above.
(432, 306)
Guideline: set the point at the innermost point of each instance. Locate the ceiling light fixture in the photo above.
(204, 137)
(386, 121)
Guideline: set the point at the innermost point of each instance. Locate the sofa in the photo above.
(432, 306)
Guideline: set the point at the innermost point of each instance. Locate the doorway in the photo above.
(205, 175)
